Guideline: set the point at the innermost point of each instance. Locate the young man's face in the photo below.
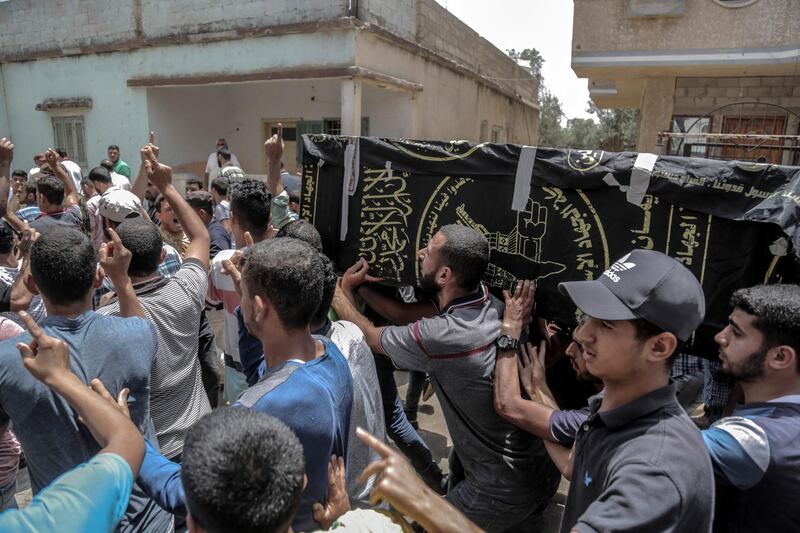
(611, 351)
(168, 219)
(248, 309)
(113, 155)
(192, 187)
(151, 193)
(429, 263)
(87, 189)
(19, 182)
(40, 161)
(575, 354)
(741, 349)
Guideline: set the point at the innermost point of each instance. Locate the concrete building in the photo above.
(718, 67)
(84, 74)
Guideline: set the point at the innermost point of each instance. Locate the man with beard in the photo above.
(754, 452)
(540, 415)
(500, 476)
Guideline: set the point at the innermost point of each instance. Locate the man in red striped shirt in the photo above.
(500, 476)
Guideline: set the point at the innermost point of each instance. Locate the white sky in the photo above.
(542, 24)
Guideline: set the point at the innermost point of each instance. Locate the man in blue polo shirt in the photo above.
(754, 452)
(119, 351)
(307, 385)
(500, 476)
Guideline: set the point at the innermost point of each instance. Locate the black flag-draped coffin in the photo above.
(553, 215)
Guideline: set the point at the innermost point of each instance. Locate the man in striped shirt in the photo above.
(174, 305)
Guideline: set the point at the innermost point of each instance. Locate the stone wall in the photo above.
(705, 94)
(603, 25)
(31, 28)
(443, 33)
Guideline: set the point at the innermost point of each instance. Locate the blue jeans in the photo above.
(398, 427)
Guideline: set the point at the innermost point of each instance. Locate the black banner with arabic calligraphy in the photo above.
(384, 199)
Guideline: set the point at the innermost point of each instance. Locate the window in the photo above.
(69, 135)
(333, 126)
(689, 146)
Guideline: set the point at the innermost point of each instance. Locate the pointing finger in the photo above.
(32, 327)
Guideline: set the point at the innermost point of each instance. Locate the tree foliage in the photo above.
(615, 130)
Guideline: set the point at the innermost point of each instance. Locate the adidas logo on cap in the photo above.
(620, 266)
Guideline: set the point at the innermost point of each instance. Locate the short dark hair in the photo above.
(201, 200)
(101, 175)
(242, 471)
(63, 265)
(107, 164)
(466, 252)
(329, 279)
(194, 179)
(19, 172)
(250, 204)
(113, 147)
(86, 181)
(144, 241)
(220, 185)
(303, 230)
(61, 152)
(777, 312)
(30, 188)
(6, 238)
(294, 196)
(51, 188)
(224, 153)
(287, 272)
(158, 201)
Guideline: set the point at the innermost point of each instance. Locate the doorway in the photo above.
(289, 141)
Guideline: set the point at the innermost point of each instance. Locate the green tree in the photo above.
(616, 130)
(550, 114)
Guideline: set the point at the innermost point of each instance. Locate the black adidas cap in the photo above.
(643, 284)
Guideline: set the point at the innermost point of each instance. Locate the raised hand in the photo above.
(6, 152)
(397, 482)
(29, 236)
(232, 270)
(338, 502)
(273, 148)
(532, 368)
(115, 258)
(518, 309)
(159, 174)
(51, 156)
(120, 404)
(46, 358)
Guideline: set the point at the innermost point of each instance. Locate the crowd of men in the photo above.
(194, 361)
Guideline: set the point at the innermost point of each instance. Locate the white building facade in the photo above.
(84, 74)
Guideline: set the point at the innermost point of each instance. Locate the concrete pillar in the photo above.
(351, 107)
(656, 113)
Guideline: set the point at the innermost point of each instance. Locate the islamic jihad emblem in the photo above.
(584, 160)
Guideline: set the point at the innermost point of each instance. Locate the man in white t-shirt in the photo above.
(118, 180)
(73, 169)
(213, 166)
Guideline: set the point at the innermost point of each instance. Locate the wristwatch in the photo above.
(507, 342)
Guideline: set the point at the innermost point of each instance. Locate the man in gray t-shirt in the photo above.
(174, 305)
(502, 477)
